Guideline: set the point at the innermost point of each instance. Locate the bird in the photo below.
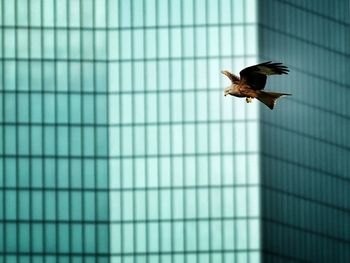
(252, 81)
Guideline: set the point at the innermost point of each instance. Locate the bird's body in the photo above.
(252, 81)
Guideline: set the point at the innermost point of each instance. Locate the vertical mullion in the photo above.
(245, 6)
(95, 124)
(234, 122)
(17, 136)
(3, 133)
(172, 231)
(158, 129)
(56, 131)
(183, 130)
(133, 130)
(196, 130)
(30, 135)
(69, 133)
(222, 199)
(208, 138)
(146, 132)
(42, 126)
(82, 127)
(121, 181)
(108, 121)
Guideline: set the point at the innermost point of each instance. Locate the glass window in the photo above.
(191, 203)
(176, 37)
(178, 206)
(178, 171)
(204, 237)
(23, 172)
(101, 141)
(11, 238)
(89, 205)
(190, 171)
(203, 200)
(36, 139)
(74, 75)
(22, 76)
(75, 108)
(165, 204)
(74, 13)
(153, 237)
(254, 234)
(89, 173)
(100, 44)
(242, 239)
(153, 204)
(114, 108)
(49, 108)
(50, 205)
(76, 205)
(101, 77)
(101, 109)
(102, 173)
(103, 240)
(49, 141)
(62, 176)
(50, 172)
(241, 201)
(22, 14)
(63, 241)
(87, 44)
(22, 43)
(37, 205)
(10, 205)
(102, 206)
(88, 109)
(75, 143)
(100, 13)
(216, 233)
(140, 173)
(10, 75)
(76, 234)
(62, 141)
(140, 205)
(87, 13)
(215, 202)
(75, 173)
(10, 107)
(116, 236)
(238, 46)
(62, 80)
(152, 140)
(23, 238)
(228, 235)
(114, 205)
(9, 39)
(128, 238)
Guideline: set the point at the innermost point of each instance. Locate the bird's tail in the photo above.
(269, 98)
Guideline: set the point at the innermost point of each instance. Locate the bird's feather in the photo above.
(255, 76)
(234, 79)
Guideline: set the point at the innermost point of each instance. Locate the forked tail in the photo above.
(269, 98)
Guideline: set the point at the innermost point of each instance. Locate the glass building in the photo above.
(305, 169)
(117, 144)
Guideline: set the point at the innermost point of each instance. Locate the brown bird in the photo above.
(252, 81)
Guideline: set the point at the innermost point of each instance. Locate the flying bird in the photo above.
(252, 81)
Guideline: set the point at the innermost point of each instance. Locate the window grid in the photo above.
(68, 164)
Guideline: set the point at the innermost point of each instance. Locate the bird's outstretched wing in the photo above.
(234, 79)
(255, 76)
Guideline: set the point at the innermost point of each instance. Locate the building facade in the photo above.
(117, 144)
(304, 143)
